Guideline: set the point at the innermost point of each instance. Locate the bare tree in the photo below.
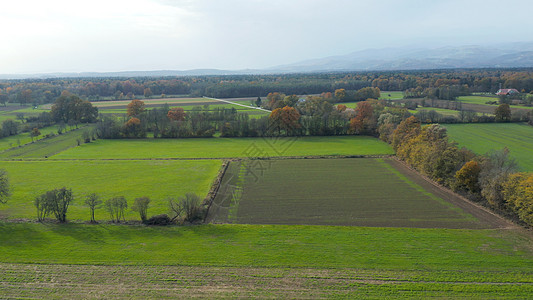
(93, 201)
(140, 205)
(116, 206)
(56, 202)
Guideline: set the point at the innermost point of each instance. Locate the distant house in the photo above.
(507, 92)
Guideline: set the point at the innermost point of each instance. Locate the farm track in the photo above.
(97, 281)
(478, 211)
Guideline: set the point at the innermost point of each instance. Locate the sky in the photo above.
(139, 35)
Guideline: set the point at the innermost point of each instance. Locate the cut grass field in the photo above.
(262, 260)
(482, 100)
(357, 192)
(157, 179)
(48, 146)
(483, 138)
(227, 147)
(391, 95)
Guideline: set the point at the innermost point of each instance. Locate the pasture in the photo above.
(91, 261)
(46, 147)
(356, 192)
(391, 95)
(483, 138)
(157, 179)
(228, 147)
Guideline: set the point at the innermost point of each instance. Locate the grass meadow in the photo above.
(233, 260)
(157, 179)
(47, 147)
(483, 138)
(227, 147)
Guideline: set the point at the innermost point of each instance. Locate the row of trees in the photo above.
(490, 179)
(186, 209)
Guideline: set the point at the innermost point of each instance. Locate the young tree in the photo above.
(468, 177)
(258, 102)
(140, 205)
(55, 201)
(93, 202)
(495, 171)
(4, 186)
(188, 207)
(34, 133)
(135, 108)
(116, 206)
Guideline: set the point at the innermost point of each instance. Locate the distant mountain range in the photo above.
(511, 55)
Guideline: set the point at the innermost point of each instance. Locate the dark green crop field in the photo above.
(359, 191)
(483, 138)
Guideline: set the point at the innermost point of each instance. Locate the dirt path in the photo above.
(481, 213)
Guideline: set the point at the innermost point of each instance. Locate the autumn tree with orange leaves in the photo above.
(285, 119)
(135, 108)
(177, 114)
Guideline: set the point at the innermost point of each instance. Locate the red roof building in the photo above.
(507, 92)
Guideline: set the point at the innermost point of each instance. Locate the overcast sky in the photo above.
(113, 35)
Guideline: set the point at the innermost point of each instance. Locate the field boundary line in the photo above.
(210, 198)
(226, 101)
(205, 158)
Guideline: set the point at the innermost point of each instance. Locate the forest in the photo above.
(439, 84)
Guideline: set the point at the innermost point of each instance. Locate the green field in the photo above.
(227, 147)
(478, 99)
(356, 192)
(47, 147)
(157, 179)
(263, 260)
(482, 100)
(482, 138)
(394, 95)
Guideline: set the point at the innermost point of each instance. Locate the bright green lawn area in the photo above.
(440, 254)
(483, 99)
(394, 95)
(228, 147)
(482, 138)
(157, 179)
(477, 99)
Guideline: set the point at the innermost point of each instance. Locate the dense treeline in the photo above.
(490, 179)
(440, 84)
